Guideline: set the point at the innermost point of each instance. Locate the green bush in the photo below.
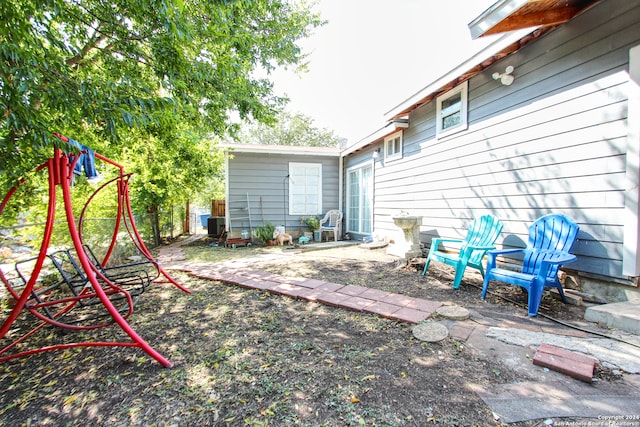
(264, 233)
(313, 222)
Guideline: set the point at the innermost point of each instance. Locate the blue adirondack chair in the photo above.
(551, 238)
(481, 236)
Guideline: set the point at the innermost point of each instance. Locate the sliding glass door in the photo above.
(360, 200)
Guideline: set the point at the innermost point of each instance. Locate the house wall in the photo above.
(553, 141)
(263, 177)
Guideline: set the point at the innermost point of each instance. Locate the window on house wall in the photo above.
(305, 188)
(360, 199)
(393, 146)
(451, 111)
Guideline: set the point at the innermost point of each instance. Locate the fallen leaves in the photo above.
(245, 357)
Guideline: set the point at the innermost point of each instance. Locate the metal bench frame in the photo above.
(101, 284)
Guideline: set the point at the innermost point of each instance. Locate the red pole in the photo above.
(46, 239)
(67, 172)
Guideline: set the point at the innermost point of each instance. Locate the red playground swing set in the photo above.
(86, 293)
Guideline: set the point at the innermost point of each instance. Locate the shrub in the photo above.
(264, 233)
(313, 222)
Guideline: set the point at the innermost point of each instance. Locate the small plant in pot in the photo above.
(313, 222)
(264, 233)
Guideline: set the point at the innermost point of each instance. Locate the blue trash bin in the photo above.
(203, 220)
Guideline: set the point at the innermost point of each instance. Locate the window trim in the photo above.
(292, 184)
(388, 140)
(463, 90)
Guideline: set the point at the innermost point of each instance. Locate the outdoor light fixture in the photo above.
(400, 123)
(376, 154)
(505, 78)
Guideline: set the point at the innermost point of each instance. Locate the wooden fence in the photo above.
(218, 208)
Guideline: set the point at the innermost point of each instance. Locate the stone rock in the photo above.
(453, 312)
(430, 331)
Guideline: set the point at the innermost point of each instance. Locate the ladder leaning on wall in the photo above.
(240, 215)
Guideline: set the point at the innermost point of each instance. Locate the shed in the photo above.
(279, 184)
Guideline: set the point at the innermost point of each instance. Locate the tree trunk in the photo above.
(155, 224)
(186, 226)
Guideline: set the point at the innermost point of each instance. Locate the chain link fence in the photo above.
(97, 233)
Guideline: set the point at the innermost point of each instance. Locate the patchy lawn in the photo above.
(249, 358)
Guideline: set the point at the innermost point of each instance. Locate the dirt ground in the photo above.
(249, 358)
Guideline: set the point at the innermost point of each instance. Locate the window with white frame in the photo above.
(451, 111)
(305, 188)
(393, 146)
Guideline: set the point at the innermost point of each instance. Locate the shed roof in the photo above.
(281, 149)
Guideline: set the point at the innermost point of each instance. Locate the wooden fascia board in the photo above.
(493, 16)
(538, 19)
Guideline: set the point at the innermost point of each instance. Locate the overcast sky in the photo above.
(373, 54)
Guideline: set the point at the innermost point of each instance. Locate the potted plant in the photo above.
(264, 233)
(313, 222)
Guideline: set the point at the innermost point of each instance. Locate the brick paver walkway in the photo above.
(358, 298)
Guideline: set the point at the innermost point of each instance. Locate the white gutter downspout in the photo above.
(631, 240)
(340, 181)
(227, 220)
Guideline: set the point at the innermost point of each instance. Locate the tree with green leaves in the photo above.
(141, 81)
(289, 129)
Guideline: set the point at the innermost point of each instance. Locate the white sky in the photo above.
(373, 54)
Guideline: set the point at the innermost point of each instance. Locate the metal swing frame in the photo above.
(60, 169)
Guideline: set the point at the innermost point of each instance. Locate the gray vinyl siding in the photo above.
(264, 178)
(554, 141)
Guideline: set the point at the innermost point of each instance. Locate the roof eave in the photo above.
(281, 149)
(510, 15)
(377, 136)
(502, 46)
(493, 16)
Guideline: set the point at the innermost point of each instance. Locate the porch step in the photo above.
(620, 315)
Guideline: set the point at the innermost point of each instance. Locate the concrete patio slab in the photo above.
(609, 353)
(531, 400)
(619, 315)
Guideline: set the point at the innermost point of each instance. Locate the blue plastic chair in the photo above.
(481, 236)
(551, 238)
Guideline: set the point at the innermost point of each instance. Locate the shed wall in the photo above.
(263, 178)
